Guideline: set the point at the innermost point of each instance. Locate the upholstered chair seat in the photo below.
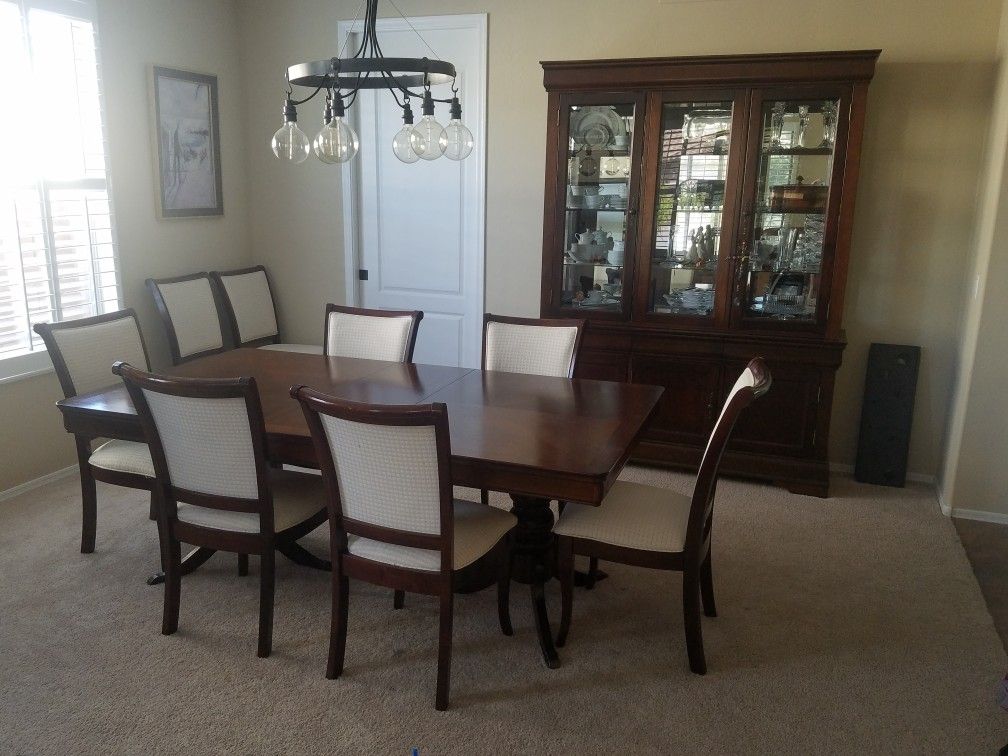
(297, 497)
(632, 515)
(477, 529)
(123, 456)
(251, 310)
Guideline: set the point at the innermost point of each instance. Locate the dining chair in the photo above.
(388, 335)
(188, 310)
(216, 490)
(251, 310)
(393, 520)
(82, 353)
(644, 526)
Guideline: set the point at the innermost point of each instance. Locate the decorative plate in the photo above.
(596, 125)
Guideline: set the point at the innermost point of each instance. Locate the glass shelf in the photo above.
(770, 151)
(568, 261)
(597, 209)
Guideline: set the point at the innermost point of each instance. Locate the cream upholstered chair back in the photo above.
(83, 351)
(206, 437)
(531, 345)
(388, 335)
(248, 301)
(189, 311)
(386, 469)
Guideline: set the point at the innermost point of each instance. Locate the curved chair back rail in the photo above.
(249, 305)
(83, 351)
(388, 335)
(188, 310)
(536, 346)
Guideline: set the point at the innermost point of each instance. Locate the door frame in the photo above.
(475, 119)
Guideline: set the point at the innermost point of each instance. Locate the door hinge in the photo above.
(362, 274)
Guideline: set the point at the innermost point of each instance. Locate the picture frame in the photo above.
(185, 132)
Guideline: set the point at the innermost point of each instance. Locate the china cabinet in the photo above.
(698, 213)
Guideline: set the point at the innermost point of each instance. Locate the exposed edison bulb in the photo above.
(426, 136)
(289, 142)
(402, 143)
(337, 142)
(456, 139)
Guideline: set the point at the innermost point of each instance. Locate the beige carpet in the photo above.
(851, 624)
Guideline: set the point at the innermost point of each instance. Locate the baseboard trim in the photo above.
(30, 485)
(999, 518)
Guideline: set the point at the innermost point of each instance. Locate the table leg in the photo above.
(190, 562)
(300, 555)
(533, 551)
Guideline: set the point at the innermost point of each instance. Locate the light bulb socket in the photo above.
(338, 108)
(428, 104)
(407, 113)
(290, 112)
(456, 109)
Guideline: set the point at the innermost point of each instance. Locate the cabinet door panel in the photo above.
(686, 410)
(601, 366)
(784, 419)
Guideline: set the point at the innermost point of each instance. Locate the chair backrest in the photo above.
(186, 305)
(386, 470)
(207, 441)
(753, 383)
(388, 335)
(537, 346)
(248, 302)
(83, 351)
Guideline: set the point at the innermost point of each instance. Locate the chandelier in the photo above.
(343, 78)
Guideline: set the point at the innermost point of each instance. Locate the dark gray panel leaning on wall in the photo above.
(886, 414)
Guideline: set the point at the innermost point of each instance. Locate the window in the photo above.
(57, 243)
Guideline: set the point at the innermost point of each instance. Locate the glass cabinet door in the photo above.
(693, 200)
(597, 204)
(782, 268)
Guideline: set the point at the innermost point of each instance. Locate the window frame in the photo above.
(36, 362)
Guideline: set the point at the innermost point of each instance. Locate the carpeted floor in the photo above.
(851, 624)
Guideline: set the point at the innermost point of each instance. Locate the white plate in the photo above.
(596, 125)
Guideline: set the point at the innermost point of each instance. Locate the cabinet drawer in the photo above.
(686, 410)
(601, 366)
(784, 419)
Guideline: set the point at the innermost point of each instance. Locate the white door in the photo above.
(418, 229)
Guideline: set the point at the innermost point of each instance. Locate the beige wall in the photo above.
(975, 474)
(193, 34)
(928, 113)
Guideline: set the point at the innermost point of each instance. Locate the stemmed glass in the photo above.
(777, 124)
(803, 122)
(829, 119)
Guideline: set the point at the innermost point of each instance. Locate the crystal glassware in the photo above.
(777, 124)
(829, 119)
(803, 122)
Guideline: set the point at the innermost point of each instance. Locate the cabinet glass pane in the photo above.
(595, 216)
(692, 168)
(789, 224)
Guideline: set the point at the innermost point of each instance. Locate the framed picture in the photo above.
(186, 143)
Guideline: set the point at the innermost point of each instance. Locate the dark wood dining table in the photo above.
(536, 438)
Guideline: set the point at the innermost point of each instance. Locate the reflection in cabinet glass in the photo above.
(690, 198)
(789, 233)
(599, 145)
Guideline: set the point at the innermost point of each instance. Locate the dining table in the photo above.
(537, 438)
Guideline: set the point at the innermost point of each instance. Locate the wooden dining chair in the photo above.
(189, 312)
(388, 335)
(208, 444)
(251, 310)
(653, 527)
(393, 520)
(82, 353)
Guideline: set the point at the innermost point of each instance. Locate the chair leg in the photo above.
(242, 565)
(266, 591)
(565, 571)
(484, 497)
(398, 599)
(89, 498)
(152, 515)
(691, 620)
(171, 563)
(504, 592)
(707, 587)
(592, 573)
(444, 651)
(338, 622)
